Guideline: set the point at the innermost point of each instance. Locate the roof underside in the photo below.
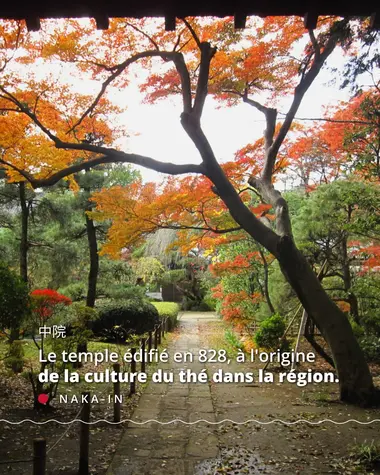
(169, 8)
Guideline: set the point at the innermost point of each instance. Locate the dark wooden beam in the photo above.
(170, 22)
(33, 23)
(102, 22)
(239, 21)
(310, 20)
(374, 23)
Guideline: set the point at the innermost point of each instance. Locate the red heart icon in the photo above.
(43, 398)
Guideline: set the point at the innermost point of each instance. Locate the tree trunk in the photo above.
(24, 233)
(355, 380)
(94, 261)
(266, 283)
(15, 332)
(93, 272)
(351, 297)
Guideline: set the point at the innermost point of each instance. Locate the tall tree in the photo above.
(235, 72)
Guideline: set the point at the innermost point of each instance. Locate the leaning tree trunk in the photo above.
(355, 380)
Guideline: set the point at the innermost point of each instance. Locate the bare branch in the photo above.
(359, 122)
(144, 34)
(109, 156)
(300, 90)
(270, 118)
(192, 31)
(253, 103)
(117, 71)
(314, 42)
(200, 228)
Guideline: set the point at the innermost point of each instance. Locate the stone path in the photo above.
(173, 449)
(230, 448)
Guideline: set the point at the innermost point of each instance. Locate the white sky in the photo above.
(156, 130)
(160, 134)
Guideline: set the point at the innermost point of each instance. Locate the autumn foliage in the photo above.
(45, 300)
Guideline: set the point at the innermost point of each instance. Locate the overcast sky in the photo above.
(160, 134)
(156, 130)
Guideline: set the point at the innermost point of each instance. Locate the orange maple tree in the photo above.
(208, 56)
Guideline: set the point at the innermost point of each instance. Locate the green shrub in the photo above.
(210, 302)
(124, 292)
(14, 301)
(194, 306)
(371, 324)
(76, 317)
(76, 291)
(270, 331)
(357, 329)
(371, 348)
(233, 340)
(119, 319)
(168, 310)
(15, 357)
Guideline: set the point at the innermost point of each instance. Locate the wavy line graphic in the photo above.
(174, 421)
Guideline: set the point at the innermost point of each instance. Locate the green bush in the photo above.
(117, 320)
(270, 331)
(14, 301)
(124, 292)
(76, 317)
(15, 357)
(371, 348)
(233, 340)
(357, 329)
(371, 324)
(76, 291)
(210, 302)
(193, 306)
(168, 310)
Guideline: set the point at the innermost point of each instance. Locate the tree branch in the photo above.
(270, 118)
(200, 228)
(118, 70)
(192, 31)
(300, 90)
(207, 53)
(184, 75)
(110, 156)
(336, 121)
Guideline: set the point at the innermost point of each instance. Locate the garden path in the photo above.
(237, 449)
(173, 448)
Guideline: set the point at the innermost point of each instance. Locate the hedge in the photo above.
(118, 319)
(168, 310)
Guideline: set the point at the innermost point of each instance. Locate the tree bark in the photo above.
(266, 283)
(355, 380)
(346, 272)
(94, 261)
(24, 233)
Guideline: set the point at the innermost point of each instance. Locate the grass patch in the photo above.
(367, 455)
